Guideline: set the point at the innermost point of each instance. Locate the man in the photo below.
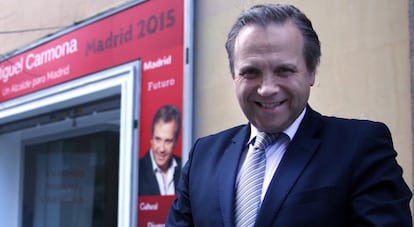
(321, 171)
(159, 169)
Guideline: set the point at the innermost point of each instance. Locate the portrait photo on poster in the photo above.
(160, 167)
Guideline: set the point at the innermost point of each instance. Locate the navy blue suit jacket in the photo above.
(335, 172)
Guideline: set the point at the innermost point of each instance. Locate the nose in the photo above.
(268, 85)
(160, 146)
(163, 145)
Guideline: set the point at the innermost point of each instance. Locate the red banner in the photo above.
(154, 210)
(161, 84)
(128, 35)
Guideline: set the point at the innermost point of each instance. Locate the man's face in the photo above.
(271, 80)
(163, 142)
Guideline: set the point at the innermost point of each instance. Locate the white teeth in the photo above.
(270, 105)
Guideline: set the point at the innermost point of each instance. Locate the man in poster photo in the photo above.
(159, 169)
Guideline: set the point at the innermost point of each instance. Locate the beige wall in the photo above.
(29, 16)
(364, 71)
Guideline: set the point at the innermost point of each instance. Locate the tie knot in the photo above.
(265, 139)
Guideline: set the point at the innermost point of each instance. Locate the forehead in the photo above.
(164, 126)
(271, 37)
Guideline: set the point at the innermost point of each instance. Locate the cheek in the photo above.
(241, 95)
(301, 86)
(302, 95)
(237, 88)
(169, 149)
(243, 87)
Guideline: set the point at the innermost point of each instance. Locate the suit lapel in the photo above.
(177, 172)
(228, 166)
(297, 156)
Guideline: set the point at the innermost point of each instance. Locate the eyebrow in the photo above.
(288, 65)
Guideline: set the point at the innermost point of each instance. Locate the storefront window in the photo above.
(71, 181)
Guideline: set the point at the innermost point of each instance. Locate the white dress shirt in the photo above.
(274, 153)
(165, 181)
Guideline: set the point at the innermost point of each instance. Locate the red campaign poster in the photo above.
(162, 92)
(152, 31)
(160, 142)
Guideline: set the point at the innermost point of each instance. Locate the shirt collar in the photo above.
(289, 131)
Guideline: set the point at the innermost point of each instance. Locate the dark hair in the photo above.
(279, 14)
(168, 113)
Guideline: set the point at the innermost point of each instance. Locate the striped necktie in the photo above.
(249, 189)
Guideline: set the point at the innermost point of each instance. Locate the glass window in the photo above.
(72, 181)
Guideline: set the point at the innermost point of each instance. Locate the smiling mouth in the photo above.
(269, 105)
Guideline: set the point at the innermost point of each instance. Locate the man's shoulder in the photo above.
(341, 120)
(226, 133)
(146, 158)
(177, 159)
(335, 125)
(354, 125)
(225, 136)
(350, 122)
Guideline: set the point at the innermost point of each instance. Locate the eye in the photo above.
(249, 73)
(169, 142)
(285, 71)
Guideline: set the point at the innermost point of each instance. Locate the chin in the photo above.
(274, 128)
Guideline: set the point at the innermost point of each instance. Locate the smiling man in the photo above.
(271, 79)
(159, 169)
(311, 169)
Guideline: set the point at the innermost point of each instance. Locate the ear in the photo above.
(312, 76)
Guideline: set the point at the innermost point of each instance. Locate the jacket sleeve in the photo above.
(379, 195)
(180, 211)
